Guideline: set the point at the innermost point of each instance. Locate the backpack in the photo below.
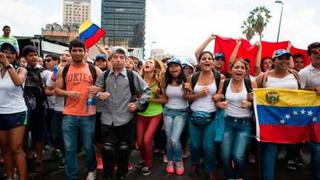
(33, 90)
(65, 70)
(132, 88)
(247, 84)
(195, 77)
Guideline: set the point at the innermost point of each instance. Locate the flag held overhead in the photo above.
(90, 33)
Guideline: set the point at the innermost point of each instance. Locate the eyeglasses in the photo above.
(315, 51)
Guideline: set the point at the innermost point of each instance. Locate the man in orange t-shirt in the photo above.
(75, 86)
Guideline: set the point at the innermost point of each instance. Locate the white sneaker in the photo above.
(92, 175)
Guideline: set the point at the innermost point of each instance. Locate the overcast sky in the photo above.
(179, 26)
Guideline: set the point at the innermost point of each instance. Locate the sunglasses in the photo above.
(315, 51)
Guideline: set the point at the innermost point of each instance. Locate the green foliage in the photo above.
(256, 22)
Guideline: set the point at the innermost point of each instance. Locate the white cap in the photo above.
(119, 48)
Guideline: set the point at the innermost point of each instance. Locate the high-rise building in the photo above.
(124, 21)
(75, 12)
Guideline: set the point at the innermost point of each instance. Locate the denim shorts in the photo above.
(10, 121)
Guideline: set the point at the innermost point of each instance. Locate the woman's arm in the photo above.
(257, 64)
(235, 51)
(204, 45)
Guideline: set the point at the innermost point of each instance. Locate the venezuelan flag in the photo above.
(90, 33)
(287, 116)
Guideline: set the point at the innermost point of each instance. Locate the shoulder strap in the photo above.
(131, 82)
(248, 85)
(296, 75)
(194, 79)
(93, 72)
(64, 74)
(217, 77)
(225, 85)
(105, 75)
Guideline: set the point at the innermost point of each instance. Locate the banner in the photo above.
(90, 33)
(287, 116)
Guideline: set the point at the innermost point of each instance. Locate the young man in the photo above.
(34, 90)
(75, 84)
(298, 60)
(117, 115)
(310, 80)
(7, 38)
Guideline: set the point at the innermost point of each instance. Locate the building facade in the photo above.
(75, 12)
(124, 21)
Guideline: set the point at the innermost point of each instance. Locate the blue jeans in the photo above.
(315, 160)
(202, 138)
(71, 126)
(269, 152)
(235, 140)
(174, 121)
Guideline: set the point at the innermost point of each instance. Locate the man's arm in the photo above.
(142, 88)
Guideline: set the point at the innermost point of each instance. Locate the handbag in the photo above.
(201, 118)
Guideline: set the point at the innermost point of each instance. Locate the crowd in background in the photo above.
(117, 103)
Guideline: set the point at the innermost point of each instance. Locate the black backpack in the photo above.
(92, 69)
(33, 90)
(132, 89)
(195, 77)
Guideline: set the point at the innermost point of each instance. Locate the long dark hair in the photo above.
(180, 79)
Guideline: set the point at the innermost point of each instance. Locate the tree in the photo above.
(256, 22)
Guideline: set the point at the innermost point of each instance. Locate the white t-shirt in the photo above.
(234, 108)
(59, 100)
(206, 103)
(175, 97)
(288, 82)
(11, 96)
(310, 76)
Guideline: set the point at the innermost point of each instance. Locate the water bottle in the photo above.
(91, 104)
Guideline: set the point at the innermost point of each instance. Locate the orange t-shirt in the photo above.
(78, 79)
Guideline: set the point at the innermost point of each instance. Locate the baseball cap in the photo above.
(9, 45)
(219, 55)
(187, 64)
(280, 52)
(119, 48)
(174, 61)
(101, 56)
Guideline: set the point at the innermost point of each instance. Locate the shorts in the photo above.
(10, 121)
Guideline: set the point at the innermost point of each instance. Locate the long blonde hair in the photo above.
(158, 72)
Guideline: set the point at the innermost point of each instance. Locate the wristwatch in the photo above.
(9, 66)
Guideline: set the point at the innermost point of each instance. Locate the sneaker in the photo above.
(165, 159)
(99, 164)
(291, 165)
(62, 163)
(92, 175)
(146, 171)
(194, 171)
(130, 166)
(170, 168)
(179, 168)
(140, 164)
(299, 162)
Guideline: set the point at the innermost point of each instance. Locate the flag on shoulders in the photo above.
(287, 116)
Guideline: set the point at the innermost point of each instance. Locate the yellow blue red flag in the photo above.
(287, 116)
(90, 33)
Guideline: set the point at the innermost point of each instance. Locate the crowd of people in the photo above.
(117, 103)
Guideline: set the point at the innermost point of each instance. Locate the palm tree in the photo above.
(257, 20)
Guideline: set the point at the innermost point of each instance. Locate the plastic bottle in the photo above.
(91, 104)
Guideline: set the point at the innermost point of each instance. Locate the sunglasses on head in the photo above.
(315, 51)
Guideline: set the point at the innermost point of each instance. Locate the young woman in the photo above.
(203, 109)
(237, 132)
(13, 112)
(279, 77)
(148, 121)
(174, 115)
